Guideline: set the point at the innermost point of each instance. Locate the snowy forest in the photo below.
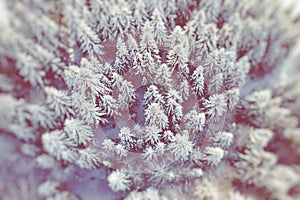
(149, 100)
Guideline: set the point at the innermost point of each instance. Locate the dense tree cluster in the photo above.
(161, 95)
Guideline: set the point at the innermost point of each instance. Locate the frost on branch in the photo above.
(89, 41)
(152, 134)
(207, 189)
(30, 69)
(160, 32)
(127, 93)
(232, 97)
(85, 81)
(253, 164)
(109, 105)
(198, 80)
(88, 158)
(149, 154)
(178, 55)
(263, 109)
(121, 151)
(223, 139)
(206, 42)
(213, 155)
(48, 188)
(38, 115)
(194, 121)
(216, 105)
(78, 131)
(122, 57)
(127, 138)
(163, 75)
(173, 105)
(59, 101)
(59, 146)
(184, 89)
(87, 111)
(148, 44)
(181, 147)
(152, 95)
(119, 181)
